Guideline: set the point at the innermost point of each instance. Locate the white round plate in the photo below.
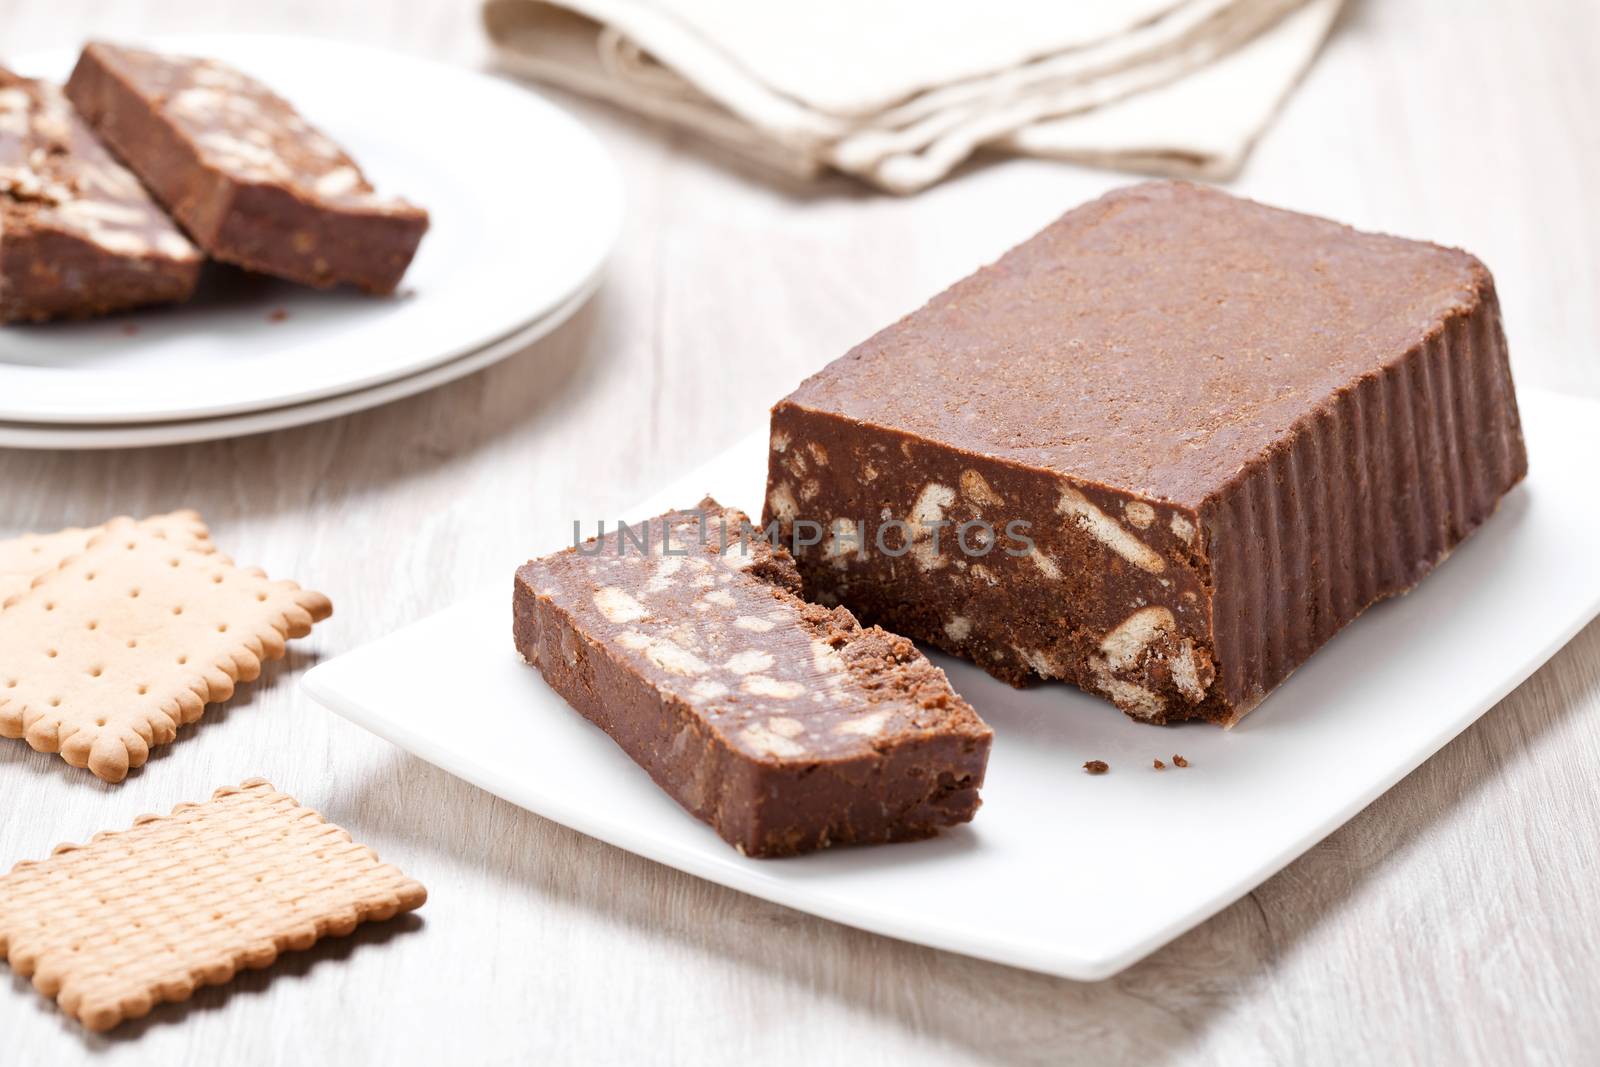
(145, 435)
(525, 207)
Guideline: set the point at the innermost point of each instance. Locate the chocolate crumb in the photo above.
(1179, 761)
(1160, 766)
(278, 315)
(1097, 766)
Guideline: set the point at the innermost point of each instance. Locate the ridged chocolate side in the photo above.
(1366, 495)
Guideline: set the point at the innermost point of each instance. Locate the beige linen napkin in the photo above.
(899, 92)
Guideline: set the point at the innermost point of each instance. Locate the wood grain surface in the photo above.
(1455, 920)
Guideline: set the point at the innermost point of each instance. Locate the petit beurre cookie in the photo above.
(149, 914)
(123, 642)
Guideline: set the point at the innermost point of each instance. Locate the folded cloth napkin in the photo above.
(899, 92)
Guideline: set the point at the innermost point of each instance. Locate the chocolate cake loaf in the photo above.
(783, 724)
(1164, 450)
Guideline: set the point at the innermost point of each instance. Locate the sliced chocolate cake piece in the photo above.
(79, 236)
(785, 725)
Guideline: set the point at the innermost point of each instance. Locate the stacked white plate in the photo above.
(525, 206)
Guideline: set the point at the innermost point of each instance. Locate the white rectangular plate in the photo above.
(1061, 872)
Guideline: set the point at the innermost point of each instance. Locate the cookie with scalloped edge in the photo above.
(108, 654)
(140, 916)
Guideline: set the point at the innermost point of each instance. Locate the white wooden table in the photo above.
(1456, 919)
